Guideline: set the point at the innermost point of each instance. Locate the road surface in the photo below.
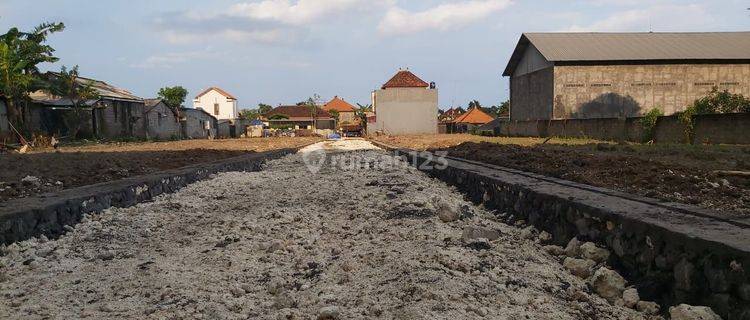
(286, 243)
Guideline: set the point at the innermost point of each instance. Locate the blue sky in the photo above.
(282, 51)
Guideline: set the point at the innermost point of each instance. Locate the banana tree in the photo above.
(67, 84)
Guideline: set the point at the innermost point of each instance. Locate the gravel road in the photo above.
(284, 243)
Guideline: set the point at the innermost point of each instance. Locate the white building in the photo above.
(217, 103)
(405, 105)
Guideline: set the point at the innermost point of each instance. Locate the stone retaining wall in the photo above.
(48, 214)
(672, 253)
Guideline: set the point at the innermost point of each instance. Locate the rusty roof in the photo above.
(103, 89)
(217, 89)
(339, 105)
(474, 116)
(405, 79)
(297, 112)
(648, 46)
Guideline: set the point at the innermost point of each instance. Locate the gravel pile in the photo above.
(284, 243)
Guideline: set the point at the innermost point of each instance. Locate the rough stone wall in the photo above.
(531, 95)
(121, 119)
(631, 90)
(722, 128)
(671, 256)
(193, 126)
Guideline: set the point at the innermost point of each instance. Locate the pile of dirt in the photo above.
(283, 243)
(24, 175)
(617, 167)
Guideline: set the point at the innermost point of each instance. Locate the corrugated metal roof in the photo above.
(580, 47)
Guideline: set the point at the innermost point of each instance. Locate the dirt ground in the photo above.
(284, 243)
(679, 173)
(48, 170)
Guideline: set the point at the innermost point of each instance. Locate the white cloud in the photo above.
(172, 59)
(301, 12)
(442, 17)
(655, 18)
(270, 36)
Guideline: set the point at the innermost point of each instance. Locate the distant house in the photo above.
(347, 114)
(161, 121)
(405, 105)
(198, 124)
(299, 117)
(218, 103)
(614, 75)
(472, 119)
(116, 114)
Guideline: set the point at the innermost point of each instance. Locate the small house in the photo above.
(347, 120)
(405, 104)
(161, 121)
(299, 118)
(198, 124)
(472, 119)
(217, 102)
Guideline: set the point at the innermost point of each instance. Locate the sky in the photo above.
(284, 51)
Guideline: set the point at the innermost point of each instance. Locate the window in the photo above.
(114, 109)
(601, 85)
(641, 84)
(730, 83)
(666, 84)
(158, 119)
(574, 85)
(216, 109)
(704, 84)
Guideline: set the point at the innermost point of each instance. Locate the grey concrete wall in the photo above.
(405, 111)
(116, 120)
(723, 128)
(632, 90)
(161, 123)
(531, 95)
(193, 126)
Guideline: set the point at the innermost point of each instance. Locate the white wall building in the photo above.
(405, 105)
(217, 103)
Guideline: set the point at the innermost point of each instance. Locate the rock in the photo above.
(329, 313)
(472, 232)
(554, 250)
(579, 267)
(275, 245)
(106, 255)
(447, 213)
(608, 284)
(647, 307)
(683, 275)
(479, 244)
(687, 312)
(237, 292)
(744, 291)
(589, 250)
(725, 182)
(573, 248)
(282, 301)
(630, 297)
(527, 233)
(31, 181)
(545, 237)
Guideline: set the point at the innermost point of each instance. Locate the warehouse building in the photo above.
(613, 75)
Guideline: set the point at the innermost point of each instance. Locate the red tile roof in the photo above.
(219, 90)
(474, 116)
(405, 79)
(339, 105)
(296, 112)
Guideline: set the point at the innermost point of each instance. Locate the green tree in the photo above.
(715, 102)
(361, 113)
(474, 104)
(20, 55)
(264, 108)
(173, 97)
(250, 114)
(67, 84)
(312, 106)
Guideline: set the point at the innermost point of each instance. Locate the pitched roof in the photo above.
(405, 79)
(102, 88)
(152, 102)
(578, 47)
(297, 112)
(339, 105)
(474, 116)
(217, 89)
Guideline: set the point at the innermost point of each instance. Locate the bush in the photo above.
(715, 102)
(648, 122)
